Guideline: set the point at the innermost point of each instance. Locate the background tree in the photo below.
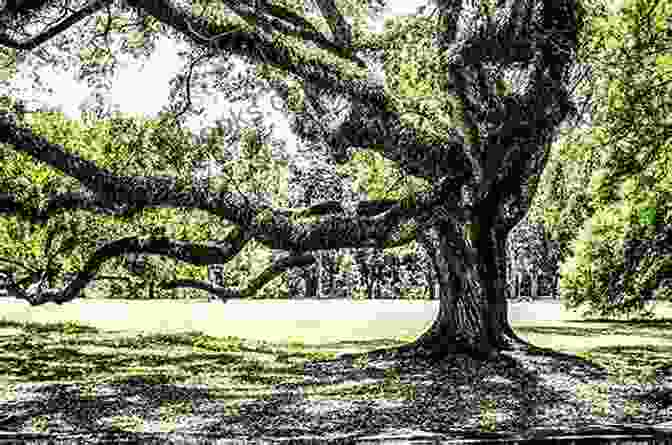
(498, 82)
(612, 179)
(532, 258)
(67, 240)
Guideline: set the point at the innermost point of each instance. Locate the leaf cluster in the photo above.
(613, 179)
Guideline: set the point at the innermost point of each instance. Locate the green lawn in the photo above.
(53, 344)
(628, 347)
(334, 334)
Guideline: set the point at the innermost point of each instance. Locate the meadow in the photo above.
(226, 358)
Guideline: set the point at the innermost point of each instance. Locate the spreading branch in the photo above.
(500, 155)
(33, 42)
(279, 265)
(192, 253)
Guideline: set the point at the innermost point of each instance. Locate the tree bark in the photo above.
(311, 280)
(534, 283)
(473, 312)
(462, 319)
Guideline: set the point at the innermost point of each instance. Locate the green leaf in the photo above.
(647, 216)
(265, 216)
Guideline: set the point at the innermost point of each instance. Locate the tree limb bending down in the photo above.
(183, 251)
(482, 172)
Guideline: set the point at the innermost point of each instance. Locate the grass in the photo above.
(53, 344)
(631, 349)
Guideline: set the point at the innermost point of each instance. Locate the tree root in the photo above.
(423, 349)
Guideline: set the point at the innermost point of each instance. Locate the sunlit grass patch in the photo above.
(378, 390)
(632, 408)
(40, 423)
(169, 410)
(127, 423)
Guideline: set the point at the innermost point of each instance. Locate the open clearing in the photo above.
(316, 322)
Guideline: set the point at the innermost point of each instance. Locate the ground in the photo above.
(231, 388)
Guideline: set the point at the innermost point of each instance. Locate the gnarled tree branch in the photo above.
(34, 42)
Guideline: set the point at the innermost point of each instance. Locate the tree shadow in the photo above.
(656, 330)
(664, 323)
(258, 389)
(132, 370)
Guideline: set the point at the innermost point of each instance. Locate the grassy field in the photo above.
(327, 323)
(628, 347)
(87, 344)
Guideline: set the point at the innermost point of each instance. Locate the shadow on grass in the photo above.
(607, 327)
(660, 323)
(230, 387)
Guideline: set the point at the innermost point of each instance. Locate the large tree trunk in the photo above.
(473, 314)
(311, 280)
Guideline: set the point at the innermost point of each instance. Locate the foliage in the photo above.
(256, 171)
(248, 264)
(154, 147)
(77, 232)
(344, 263)
(614, 178)
(414, 293)
(380, 178)
(530, 253)
(414, 78)
(359, 293)
(583, 280)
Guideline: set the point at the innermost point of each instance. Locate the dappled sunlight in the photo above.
(183, 379)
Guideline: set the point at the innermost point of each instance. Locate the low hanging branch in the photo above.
(275, 269)
(32, 43)
(498, 146)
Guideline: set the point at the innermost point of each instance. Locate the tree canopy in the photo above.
(466, 102)
(362, 166)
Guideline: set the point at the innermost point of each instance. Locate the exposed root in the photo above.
(424, 349)
(510, 341)
(430, 348)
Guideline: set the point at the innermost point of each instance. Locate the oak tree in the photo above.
(470, 100)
